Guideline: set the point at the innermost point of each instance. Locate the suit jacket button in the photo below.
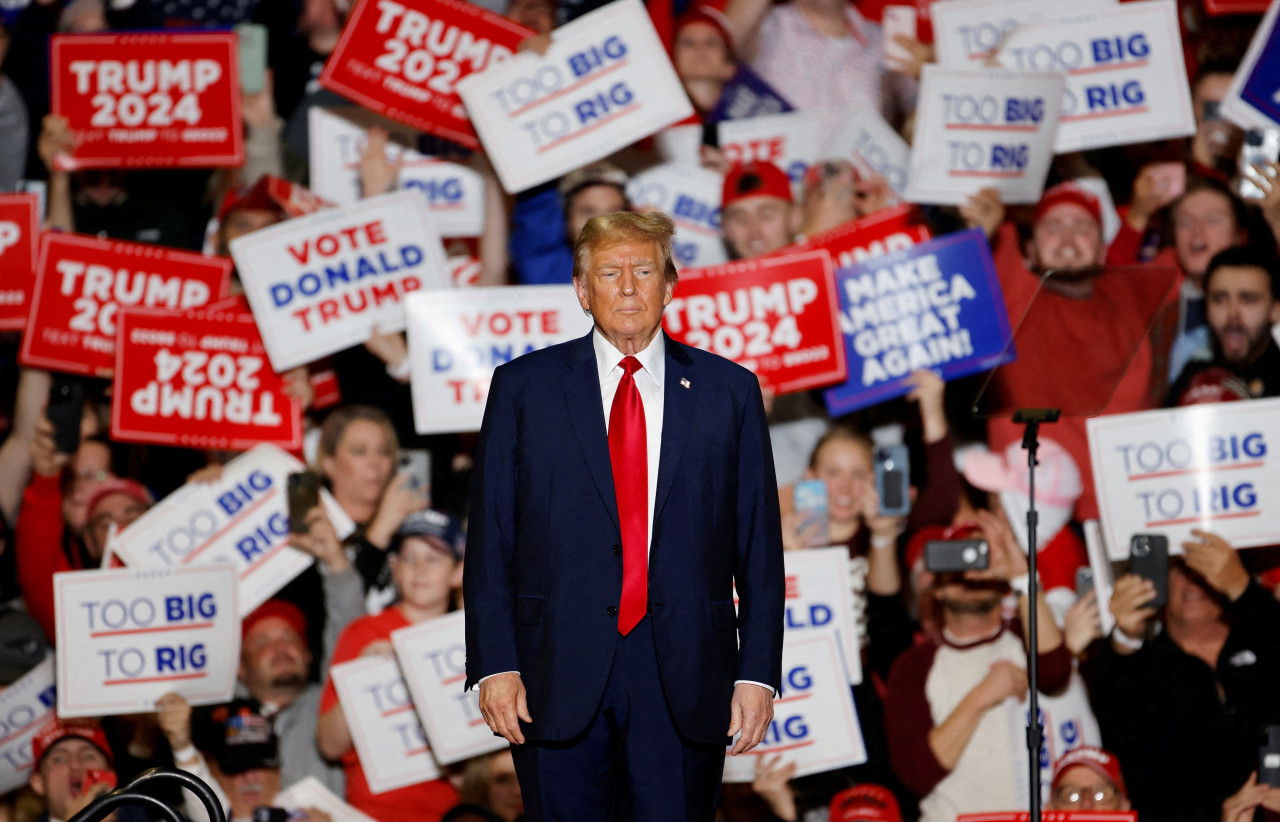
(617, 550)
(611, 611)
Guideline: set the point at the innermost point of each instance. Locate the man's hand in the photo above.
(985, 210)
(1132, 592)
(502, 704)
(751, 711)
(1005, 679)
(1083, 623)
(173, 715)
(321, 541)
(46, 460)
(773, 784)
(1213, 558)
(1239, 807)
(1007, 560)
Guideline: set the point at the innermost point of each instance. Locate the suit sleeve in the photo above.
(759, 575)
(487, 577)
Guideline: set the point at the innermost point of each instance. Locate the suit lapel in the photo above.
(678, 403)
(586, 415)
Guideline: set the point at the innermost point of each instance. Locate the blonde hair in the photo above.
(609, 230)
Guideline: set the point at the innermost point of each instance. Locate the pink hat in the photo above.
(1057, 476)
(755, 179)
(1101, 762)
(1068, 192)
(873, 803)
(130, 488)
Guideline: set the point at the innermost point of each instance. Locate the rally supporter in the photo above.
(72, 765)
(757, 212)
(357, 458)
(949, 705)
(1079, 312)
(13, 120)
(49, 535)
(702, 54)
(489, 782)
(273, 672)
(1076, 786)
(1206, 219)
(244, 210)
(547, 220)
(426, 564)
(835, 192)
(1187, 748)
(243, 759)
(1217, 140)
(1242, 294)
(821, 55)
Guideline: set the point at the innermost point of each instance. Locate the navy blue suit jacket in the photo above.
(544, 568)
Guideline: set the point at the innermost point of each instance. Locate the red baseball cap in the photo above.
(120, 485)
(280, 609)
(873, 803)
(1068, 192)
(1101, 762)
(1214, 384)
(712, 16)
(55, 730)
(755, 179)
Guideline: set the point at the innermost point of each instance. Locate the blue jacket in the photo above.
(544, 571)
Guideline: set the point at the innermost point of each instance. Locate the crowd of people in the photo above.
(1166, 710)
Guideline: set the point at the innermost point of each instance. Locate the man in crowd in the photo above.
(1183, 707)
(1242, 293)
(757, 212)
(952, 703)
(1087, 779)
(71, 767)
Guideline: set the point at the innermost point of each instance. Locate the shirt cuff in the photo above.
(491, 676)
(768, 688)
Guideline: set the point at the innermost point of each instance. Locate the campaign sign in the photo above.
(747, 95)
(1218, 8)
(967, 32)
(457, 338)
(127, 637)
(937, 305)
(82, 282)
(454, 192)
(199, 379)
(605, 82)
(773, 315)
(309, 792)
(321, 283)
(790, 141)
(19, 230)
(402, 59)
(819, 596)
(242, 520)
(1126, 81)
(690, 195)
(25, 706)
(815, 724)
(148, 100)
(887, 231)
(1208, 467)
(1253, 98)
(433, 656)
(983, 128)
(393, 751)
(873, 146)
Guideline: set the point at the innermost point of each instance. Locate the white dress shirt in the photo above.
(653, 367)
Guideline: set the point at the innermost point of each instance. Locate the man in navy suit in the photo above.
(623, 487)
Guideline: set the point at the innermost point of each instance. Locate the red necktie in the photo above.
(628, 455)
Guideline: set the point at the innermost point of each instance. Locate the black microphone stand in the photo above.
(134, 794)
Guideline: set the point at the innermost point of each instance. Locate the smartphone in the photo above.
(253, 56)
(897, 20)
(946, 555)
(711, 134)
(416, 463)
(65, 410)
(1149, 559)
(1269, 757)
(1084, 582)
(1261, 148)
(304, 494)
(94, 777)
(811, 505)
(893, 479)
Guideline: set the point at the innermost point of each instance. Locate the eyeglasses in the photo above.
(1067, 796)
